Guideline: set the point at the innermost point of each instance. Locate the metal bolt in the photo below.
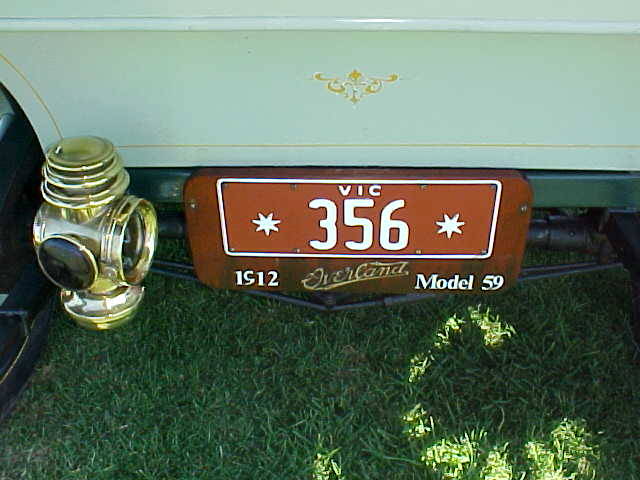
(294, 186)
(193, 204)
(418, 252)
(423, 187)
(296, 250)
(524, 208)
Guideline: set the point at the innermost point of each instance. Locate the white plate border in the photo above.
(360, 181)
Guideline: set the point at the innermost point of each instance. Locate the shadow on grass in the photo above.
(538, 382)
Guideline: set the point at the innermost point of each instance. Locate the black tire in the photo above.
(25, 314)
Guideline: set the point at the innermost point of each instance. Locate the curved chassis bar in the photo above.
(336, 303)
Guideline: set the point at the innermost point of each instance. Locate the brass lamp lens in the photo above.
(139, 236)
(132, 245)
(67, 264)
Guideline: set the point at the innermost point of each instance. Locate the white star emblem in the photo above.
(266, 224)
(450, 225)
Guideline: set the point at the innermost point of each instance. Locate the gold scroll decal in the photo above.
(321, 279)
(356, 85)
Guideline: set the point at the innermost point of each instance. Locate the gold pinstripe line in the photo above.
(35, 92)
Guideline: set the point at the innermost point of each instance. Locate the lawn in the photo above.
(539, 382)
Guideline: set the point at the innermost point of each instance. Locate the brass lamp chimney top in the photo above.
(92, 240)
(83, 172)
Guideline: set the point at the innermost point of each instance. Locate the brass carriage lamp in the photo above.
(93, 240)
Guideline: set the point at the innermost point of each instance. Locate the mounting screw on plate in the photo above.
(524, 208)
(193, 204)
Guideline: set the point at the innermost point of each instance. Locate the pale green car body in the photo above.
(494, 84)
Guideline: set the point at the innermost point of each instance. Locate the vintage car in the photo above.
(405, 149)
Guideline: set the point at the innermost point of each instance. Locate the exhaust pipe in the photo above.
(92, 240)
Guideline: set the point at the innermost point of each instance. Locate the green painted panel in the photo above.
(574, 189)
(263, 98)
(551, 189)
(611, 10)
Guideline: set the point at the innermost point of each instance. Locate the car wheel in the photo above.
(25, 296)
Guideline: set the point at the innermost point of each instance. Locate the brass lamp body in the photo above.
(92, 240)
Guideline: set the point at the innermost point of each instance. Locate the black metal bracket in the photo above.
(623, 231)
(9, 317)
(336, 303)
(20, 313)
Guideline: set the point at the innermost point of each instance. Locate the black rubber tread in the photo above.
(16, 381)
(20, 162)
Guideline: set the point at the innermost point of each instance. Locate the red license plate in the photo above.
(364, 218)
(368, 230)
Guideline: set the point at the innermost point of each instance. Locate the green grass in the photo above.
(537, 383)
